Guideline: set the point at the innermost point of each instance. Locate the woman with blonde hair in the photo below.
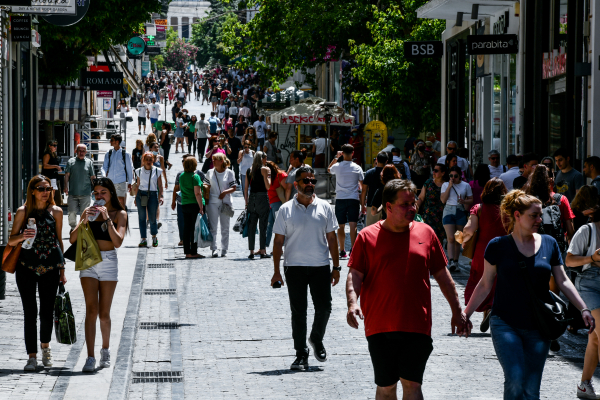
(42, 265)
(222, 185)
(520, 347)
(150, 139)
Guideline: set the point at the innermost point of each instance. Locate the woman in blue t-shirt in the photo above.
(520, 348)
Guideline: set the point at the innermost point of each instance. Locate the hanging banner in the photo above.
(66, 7)
(145, 68)
(426, 49)
(492, 44)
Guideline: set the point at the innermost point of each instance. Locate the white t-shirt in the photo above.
(145, 175)
(495, 172)
(142, 108)
(202, 129)
(260, 127)
(321, 144)
(463, 189)
(579, 243)
(154, 110)
(219, 182)
(305, 228)
(509, 176)
(222, 111)
(233, 110)
(347, 175)
(461, 162)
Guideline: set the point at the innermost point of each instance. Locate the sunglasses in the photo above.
(494, 158)
(53, 145)
(307, 181)
(436, 170)
(451, 148)
(44, 188)
(454, 176)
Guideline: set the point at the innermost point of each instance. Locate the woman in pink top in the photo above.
(482, 176)
(214, 147)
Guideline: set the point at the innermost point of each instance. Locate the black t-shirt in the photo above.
(240, 128)
(377, 201)
(519, 182)
(161, 84)
(136, 158)
(236, 145)
(259, 185)
(184, 85)
(373, 180)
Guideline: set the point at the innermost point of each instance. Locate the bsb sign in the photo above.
(102, 80)
(427, 49)
(492, 44)
(136, 45)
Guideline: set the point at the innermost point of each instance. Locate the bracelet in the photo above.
(585, 309)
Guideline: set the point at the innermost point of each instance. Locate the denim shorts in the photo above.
(106, 270)
(587, 284)
(454, 215)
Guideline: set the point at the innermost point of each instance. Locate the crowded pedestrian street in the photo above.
(214, 328)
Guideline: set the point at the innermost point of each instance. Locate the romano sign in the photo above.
(492, 44)
(102, 80)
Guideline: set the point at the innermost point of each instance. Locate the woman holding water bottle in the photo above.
(458, 198)
(38, 225)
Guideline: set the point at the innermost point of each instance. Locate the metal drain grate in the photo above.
(165, 376)
(160, 291)
(159, 325)
(168, 265)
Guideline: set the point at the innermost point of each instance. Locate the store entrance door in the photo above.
(557, 124)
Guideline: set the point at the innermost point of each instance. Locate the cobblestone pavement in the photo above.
(233, 336)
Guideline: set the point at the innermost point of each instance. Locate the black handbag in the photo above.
(549, 316)
(65, 329)
(206, 165)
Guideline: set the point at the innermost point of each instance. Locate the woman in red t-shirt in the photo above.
(275, 201)
(485, 218)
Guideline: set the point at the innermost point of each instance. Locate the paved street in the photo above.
(222, 332)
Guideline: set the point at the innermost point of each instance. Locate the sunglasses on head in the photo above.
(307, 181)
(100, 181)
(44, 188)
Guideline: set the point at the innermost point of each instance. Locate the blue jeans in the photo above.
(180, 220)
(261, 144)
(272, 215)
(243, 182)
(522, 354)
(151, 208)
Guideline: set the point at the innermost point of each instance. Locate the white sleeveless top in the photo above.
(246, 161)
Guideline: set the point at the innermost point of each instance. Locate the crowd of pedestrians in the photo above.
(521, 220)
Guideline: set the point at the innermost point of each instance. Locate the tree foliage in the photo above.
(290, 35)
(179, 55)
(207, 35)
(107, 22)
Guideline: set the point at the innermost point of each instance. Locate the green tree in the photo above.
(207, 35)
(172, 36)
(290, 35)
(108, 22)
(159, 60)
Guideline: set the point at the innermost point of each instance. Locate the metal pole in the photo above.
(327, 153)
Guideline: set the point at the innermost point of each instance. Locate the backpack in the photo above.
(551, 223)
(124, 163)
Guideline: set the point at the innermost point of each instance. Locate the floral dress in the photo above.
(45, 255)
(433, 208)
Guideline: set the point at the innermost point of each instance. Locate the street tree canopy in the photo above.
(107, 22)
(289, 35)
(207, 35)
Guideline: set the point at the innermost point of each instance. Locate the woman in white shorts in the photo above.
(100, 281)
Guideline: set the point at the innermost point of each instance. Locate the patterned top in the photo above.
(420, 164)
(45, 254)
(433, 208)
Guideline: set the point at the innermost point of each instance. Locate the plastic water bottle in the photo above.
(97, 203)
(28, 243)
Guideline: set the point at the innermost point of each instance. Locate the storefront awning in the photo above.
(447, 9)
(62, 103)
(304, 113)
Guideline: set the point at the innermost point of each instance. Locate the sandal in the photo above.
(143, 243)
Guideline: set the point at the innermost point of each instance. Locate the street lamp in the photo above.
(327, 110)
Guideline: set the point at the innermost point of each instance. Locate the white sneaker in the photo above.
(104, 358)
(31, 365)
(90, 365)
(47, 357)
(585, 390)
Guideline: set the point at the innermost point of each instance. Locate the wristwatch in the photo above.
(339, 269)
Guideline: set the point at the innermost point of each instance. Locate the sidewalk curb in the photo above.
(121, 378)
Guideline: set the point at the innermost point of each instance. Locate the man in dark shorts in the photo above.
(395, 292)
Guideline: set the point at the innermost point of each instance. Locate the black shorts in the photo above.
(142, 121)
(398, 355)
(347, 210)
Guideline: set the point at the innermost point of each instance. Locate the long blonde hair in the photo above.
(515, 200)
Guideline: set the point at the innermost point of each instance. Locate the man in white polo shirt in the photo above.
(452, 148)
(496, 169)
(512, 162)
(348, 178)
(307, 225)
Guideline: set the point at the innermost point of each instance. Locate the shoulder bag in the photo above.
(11, 254)
(548, 316)
(469, 246)
(226, 209)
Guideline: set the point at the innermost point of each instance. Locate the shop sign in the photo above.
(312, 120)
(105, 93)
(554, 64)
(23, 3)
(153, 50)
(136, 45)
(161, 29)
(36, 38)
(426, 49)
(102, 80)
(145, 68)
(20, 28)
(66, 7)
(492, 44)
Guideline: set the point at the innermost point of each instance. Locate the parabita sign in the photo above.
(102, 80)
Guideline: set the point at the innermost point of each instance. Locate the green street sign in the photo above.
(136, 45)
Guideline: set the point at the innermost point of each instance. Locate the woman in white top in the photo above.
(233, 112)
(222, 184)
(148, 198)
(245, 158)
(319, 147)
(458, 198)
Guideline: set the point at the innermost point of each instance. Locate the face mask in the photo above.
(354, 133)
(155, 153)
(184, 113)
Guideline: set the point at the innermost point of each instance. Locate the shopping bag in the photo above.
(206, 235)
(64, 320)
(245, 229)
(202, 234)
(239, 222)
(88, 252)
